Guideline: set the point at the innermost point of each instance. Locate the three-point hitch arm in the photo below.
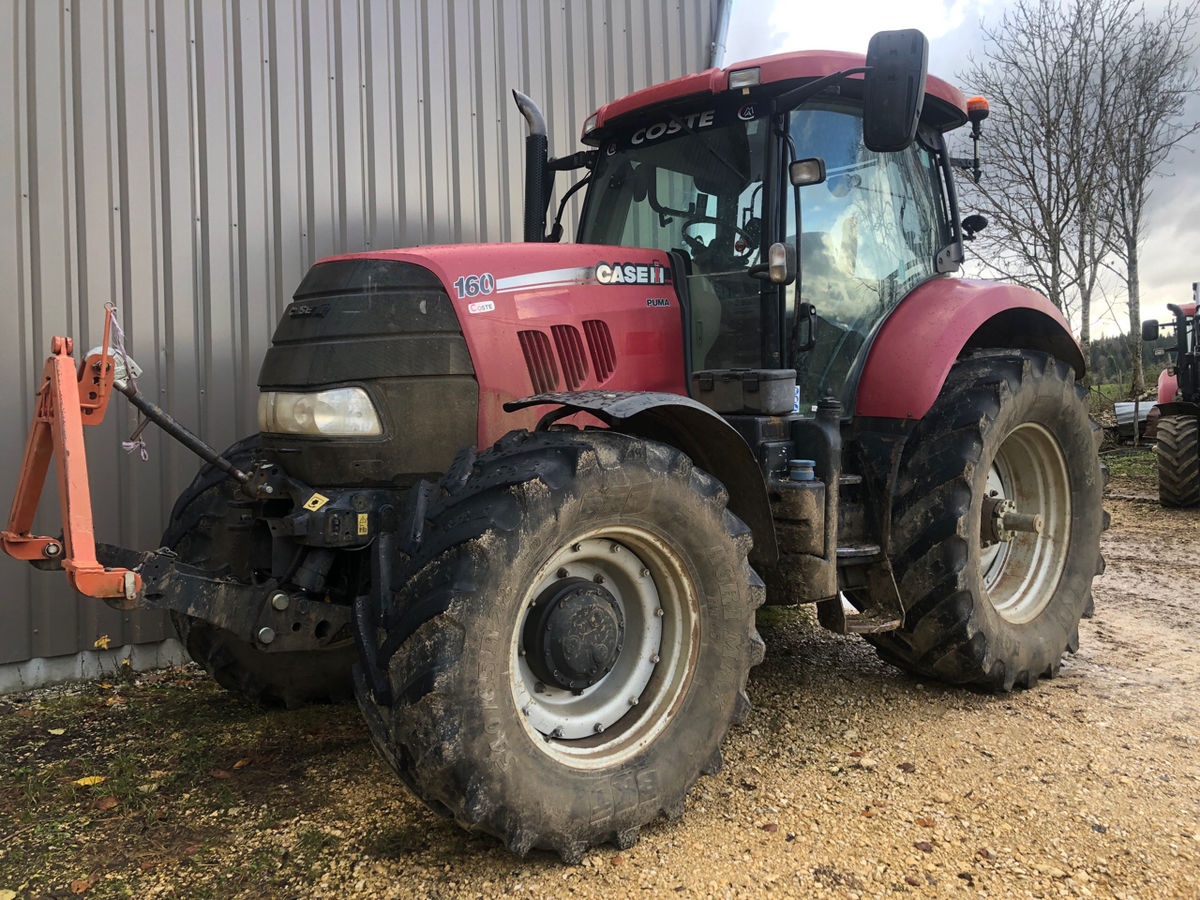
(70, 397)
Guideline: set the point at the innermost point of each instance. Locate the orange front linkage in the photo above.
(66, 401)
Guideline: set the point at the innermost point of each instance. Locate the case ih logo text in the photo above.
(632, 273)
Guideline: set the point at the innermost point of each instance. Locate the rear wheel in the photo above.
(574, 643)
(1178, 453)
(996, 525)
(211, 528)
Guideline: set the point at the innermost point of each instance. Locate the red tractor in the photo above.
(532, 494)
(1178, 408)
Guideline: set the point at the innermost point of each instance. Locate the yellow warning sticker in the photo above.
(362, 524)
(315, 502)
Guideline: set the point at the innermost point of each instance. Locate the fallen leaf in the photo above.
(857, 754)
(105, 685)
(616, 860)
(191, 850)
(221, 773)
(770, 827)
(106, 803)
(89, 780)
(242, 763)
(6, 894)
(907, 767)
(911, 881)
(926, 822)
(56, 732)
(923, 846)
(102, 642)
(146, 865)
(868, 812)
(79, 885)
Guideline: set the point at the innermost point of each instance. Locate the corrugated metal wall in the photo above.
(188, 161)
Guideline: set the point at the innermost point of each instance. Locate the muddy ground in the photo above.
(848, 778)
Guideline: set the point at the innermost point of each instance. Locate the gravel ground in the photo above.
(847, 779)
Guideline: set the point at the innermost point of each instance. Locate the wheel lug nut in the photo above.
(614, 548)
(645, 573)
(659, 612)
(633, 701)
(654, 658)
(561, 573)
(597, 728)
(575, 548)
(599, 579)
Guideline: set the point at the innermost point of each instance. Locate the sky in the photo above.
(1170, 259)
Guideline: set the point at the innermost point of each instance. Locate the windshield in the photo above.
(693, 183)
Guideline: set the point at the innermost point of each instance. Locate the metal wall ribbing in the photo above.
(188, 161)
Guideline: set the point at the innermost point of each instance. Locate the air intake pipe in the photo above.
(537, 182)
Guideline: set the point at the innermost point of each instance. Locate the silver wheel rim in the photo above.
(1021, 575)
(629, 707)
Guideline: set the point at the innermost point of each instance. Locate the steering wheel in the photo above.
(698, 245)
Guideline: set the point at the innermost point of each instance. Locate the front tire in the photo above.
(210, 527)
(574, 642)
(1178, 454)
(986, 604)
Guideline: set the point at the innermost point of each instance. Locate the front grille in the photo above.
(570, 353)
(539, 359)
(600, 344)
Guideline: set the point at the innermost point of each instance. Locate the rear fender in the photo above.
(939, 321)
(1179, 408)
(688, 426)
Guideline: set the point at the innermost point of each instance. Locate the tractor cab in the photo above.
(792, 157)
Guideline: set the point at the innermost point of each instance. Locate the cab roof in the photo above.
(945, 106)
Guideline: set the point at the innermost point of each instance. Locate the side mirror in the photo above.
(894, 89)
(780, 267)
(1150, 330)
(804, 172)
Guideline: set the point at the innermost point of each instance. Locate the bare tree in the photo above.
(1049, 71)
(1148, 104)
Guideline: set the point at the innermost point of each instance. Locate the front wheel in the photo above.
(574, 643)
(1178, 454)
(996, 524)
(211, 527)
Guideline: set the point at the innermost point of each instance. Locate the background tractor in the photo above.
(1178, 448)
(531, 495)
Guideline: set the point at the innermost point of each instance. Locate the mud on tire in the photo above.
(996, 613)
(546, 544)
(209, 529)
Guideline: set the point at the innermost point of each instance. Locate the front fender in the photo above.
(929, 330)
(691, 427)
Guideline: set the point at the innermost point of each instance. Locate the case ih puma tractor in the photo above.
(1178, 447)
(524, 500)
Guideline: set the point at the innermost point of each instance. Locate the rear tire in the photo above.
(209, 528)
(545, 727)
(1178, 453)
(996, 613)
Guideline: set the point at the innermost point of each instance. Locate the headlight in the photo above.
(340, 412)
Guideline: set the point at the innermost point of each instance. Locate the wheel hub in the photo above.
(574, 634)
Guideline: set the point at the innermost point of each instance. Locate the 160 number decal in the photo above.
(475, 285)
